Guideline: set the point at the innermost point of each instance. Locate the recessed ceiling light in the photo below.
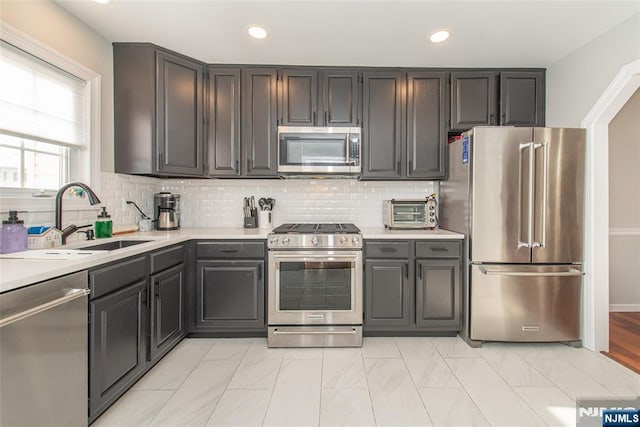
(102, 1)
(257, 32)
(439, 36)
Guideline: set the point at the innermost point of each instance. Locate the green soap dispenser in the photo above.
(104, 226)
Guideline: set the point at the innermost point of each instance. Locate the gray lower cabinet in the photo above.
(166, 290)
(412, 286)
(387, 295)
(229, 286)
(438, 293)
(117, 325)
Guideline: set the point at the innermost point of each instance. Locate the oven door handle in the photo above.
(351, 332)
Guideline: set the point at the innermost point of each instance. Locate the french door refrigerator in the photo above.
(517, 195)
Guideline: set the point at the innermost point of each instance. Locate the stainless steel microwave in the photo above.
(410, 213)
(319, 150)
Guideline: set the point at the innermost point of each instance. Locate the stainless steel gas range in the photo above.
(315, 286)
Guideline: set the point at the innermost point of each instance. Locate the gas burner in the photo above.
(326, 228)
(315, 236)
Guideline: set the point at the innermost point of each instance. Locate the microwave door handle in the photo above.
(347, 154)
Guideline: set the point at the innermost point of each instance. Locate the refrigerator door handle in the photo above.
(571, 272)
(529, 210)
(545, 169)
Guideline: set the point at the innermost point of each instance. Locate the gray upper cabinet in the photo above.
(522, 101)
(179, 95)
(495, 97)
(223, 122)
(474, 99)
(329, 97)
(158, 112)
(383, 124)
(298, 97)
(426, 125)
(259, 122)
(341, 98)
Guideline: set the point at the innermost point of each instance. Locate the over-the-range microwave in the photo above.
(319, 150)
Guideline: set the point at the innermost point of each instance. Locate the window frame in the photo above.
(87, 166)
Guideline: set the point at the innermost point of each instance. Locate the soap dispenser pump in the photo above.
(13, 234)
(103, 226)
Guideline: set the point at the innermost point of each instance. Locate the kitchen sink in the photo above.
(116, 244)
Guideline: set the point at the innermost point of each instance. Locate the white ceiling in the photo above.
(360, 32)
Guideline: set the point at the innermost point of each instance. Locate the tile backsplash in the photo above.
(218, 202)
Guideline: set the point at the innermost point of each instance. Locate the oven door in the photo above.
(316, 150)
(315, 288)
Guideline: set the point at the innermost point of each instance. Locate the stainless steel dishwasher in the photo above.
(43, 353)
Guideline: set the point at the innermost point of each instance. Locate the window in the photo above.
(48, 117)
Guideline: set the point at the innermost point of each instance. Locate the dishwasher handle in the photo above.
(571, 272)
(70, 296)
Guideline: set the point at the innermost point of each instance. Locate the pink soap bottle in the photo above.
(13, 234)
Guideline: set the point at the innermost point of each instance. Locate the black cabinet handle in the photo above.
(144, 298)
(410, 167)
(326, 121)
(388, 250)
(491, 119)
(405, 270)
(237, 165)
(259, 273)
(314, 118)
(398, 167)
(229, 251)
(503, 119)
(248, 164)
(436, 249)
(419, 271)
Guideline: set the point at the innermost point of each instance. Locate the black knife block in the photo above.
(251, 221)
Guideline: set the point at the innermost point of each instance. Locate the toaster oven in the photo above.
(410, 213)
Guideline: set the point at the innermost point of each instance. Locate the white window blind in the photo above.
(41, 102)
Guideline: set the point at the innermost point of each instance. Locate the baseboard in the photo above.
(624, 307)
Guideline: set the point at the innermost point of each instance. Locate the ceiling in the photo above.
(360, 32)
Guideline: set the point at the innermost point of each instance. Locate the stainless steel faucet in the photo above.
(91, 196)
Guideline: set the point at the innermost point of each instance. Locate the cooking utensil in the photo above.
(271, 202)
(262, 203)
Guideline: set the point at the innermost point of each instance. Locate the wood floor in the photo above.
(624, 339)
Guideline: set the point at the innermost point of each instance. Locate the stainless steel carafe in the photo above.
(167, 210)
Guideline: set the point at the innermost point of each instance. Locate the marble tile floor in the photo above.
(388, 382)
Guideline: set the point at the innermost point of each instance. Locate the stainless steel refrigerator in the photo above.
(517, 196)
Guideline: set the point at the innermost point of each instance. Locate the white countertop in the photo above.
(19, 272)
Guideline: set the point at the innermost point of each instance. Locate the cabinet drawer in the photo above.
(115, 276)
(165, 258)
(438, 249)
(383, 249)
(230, 249)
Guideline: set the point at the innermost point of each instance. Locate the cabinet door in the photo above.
(383, 123)
(426, 129)
(116, 344)
(223, 130)
(166, 328)
(179, 110)
(341, 98)
(230, 294)
(438, 293)
(522, 98)
(387, 293)
(473, 99)
(298, 97)
(259, 122)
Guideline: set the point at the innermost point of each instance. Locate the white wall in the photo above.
(575, 82)
(53, 26)
(624, 207)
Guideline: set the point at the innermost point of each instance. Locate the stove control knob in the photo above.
(285, 241)
(343, 240)
(355, 240)
(315, 241)
(273, 240)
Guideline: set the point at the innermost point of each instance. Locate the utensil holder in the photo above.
(264, 219)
